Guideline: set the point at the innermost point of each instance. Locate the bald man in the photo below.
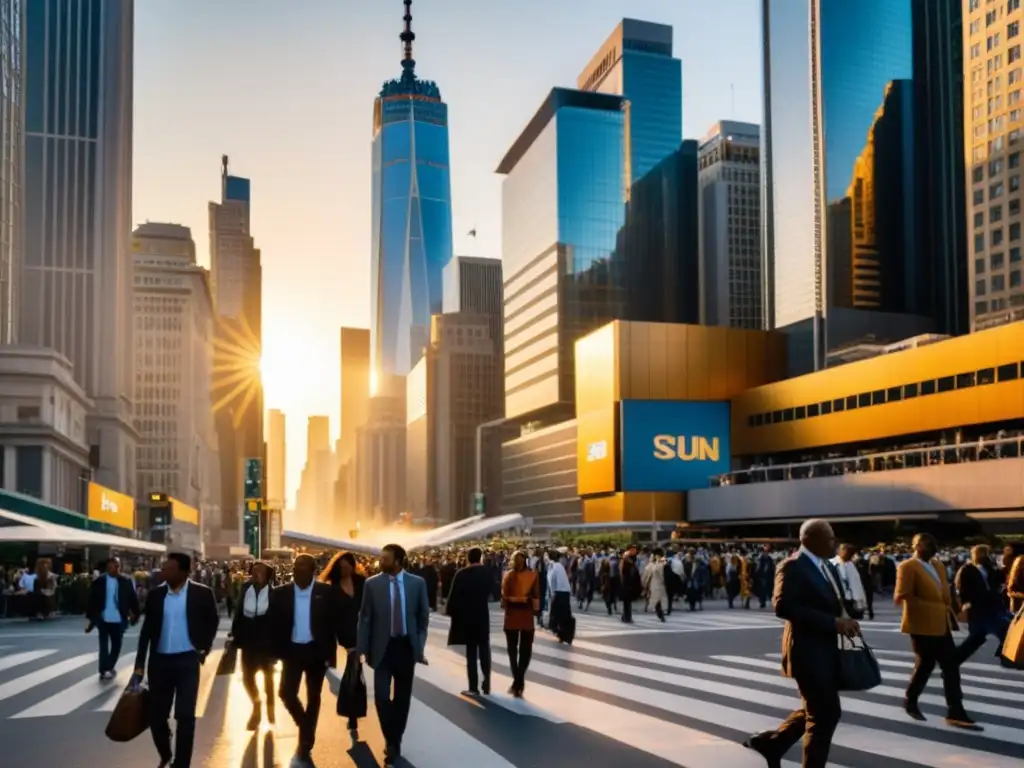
(809, 597)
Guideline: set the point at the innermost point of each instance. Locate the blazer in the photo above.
(323, 621)
(348, 611)
(252, 633)
(203, 621)
(985, 598)
(927, 604)
(469, 606)
(127, 600)
(809, 605)
(375, 617)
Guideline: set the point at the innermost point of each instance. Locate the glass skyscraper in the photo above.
(636, 62)
(563, 204)
(856, 241)
(412, 220)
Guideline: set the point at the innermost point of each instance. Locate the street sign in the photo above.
(253, 480)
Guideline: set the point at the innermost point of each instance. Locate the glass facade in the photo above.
(412, 223)
(563, 205)
(636, 63)
(657, 260)
(847, 112)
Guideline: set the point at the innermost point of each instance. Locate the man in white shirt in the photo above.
(849, 577)
(560, 616)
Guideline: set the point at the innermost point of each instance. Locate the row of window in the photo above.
(984, 377)
(998, 283)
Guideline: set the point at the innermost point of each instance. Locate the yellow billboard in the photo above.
(111, 507)
(597, 451)
(182, 512)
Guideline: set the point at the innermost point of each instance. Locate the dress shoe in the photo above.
(958, 718)
(759, 743)
(471, 692)
(911, 708)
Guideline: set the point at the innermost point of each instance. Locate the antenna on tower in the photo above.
(407, 37)
(224, 165)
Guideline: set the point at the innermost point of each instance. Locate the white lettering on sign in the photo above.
(108, 505)
(597, 451)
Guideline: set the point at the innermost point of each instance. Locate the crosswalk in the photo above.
(689, 712)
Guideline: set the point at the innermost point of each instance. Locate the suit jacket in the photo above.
(809, 605)
(323, 621)
(468, 606)
(985, 598)
(252, 633)
(203, 621)
(127, 600)
(927, 604)
(375, 617)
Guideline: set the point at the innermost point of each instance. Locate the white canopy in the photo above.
(462, 530)
(29, 530)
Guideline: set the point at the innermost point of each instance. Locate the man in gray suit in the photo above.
(392, 639)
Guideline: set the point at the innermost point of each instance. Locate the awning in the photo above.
(470, 528)
(21, 529)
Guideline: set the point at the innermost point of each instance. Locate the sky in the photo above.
(286, 90)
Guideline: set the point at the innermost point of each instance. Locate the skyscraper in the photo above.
(11, 120)
(237, 279)
(730, 227)
(563, 203)
(411, 216)
(177, 446)
(856, 245)
(355, 387)
(76, 290)
(277, 464)
(636, 62)
(994, 140)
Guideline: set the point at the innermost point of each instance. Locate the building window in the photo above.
(979, 266)
(995, 214)
(1012, 29)
(979, 287)
(29, 470)
(998, 283)
(997, 260)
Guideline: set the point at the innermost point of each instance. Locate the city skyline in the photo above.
(317, 272)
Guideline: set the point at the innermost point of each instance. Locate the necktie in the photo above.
(396, 610)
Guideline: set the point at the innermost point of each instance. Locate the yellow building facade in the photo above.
(968, 380)
(655, 361)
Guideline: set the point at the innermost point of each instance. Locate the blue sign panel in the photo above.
(673, 445)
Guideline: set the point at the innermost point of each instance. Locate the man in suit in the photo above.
(469, 608)
(980, 586)
(177, 634)
(392, 639)
(808, 597)
(113, 605)
(923, 591)
(304, 617)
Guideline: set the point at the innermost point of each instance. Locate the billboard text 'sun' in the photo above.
(695, 448)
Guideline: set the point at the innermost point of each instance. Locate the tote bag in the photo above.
(858, 668)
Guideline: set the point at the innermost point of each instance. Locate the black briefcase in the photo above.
(858, 668)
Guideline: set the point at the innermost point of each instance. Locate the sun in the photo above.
(236, 368)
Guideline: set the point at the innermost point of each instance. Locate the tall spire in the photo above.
(407, 37)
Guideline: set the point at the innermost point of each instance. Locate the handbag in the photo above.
(352, 691)
(1012, 651)
(130, 717)
(228, 661)
(858, 668)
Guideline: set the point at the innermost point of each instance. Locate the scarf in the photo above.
(256, 602)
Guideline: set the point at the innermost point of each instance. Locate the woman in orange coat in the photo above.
(520, 599)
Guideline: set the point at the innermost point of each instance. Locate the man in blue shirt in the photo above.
(177, 634)
(112, 605)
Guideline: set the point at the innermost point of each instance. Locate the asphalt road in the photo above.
(683, 693)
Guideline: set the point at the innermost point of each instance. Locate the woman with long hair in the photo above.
(342, 572)
(250, 632)
(520, 599)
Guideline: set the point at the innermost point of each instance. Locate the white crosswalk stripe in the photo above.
(686, 711)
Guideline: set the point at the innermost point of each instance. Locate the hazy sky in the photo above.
(286, 89)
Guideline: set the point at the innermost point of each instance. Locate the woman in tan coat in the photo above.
(520, 599)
